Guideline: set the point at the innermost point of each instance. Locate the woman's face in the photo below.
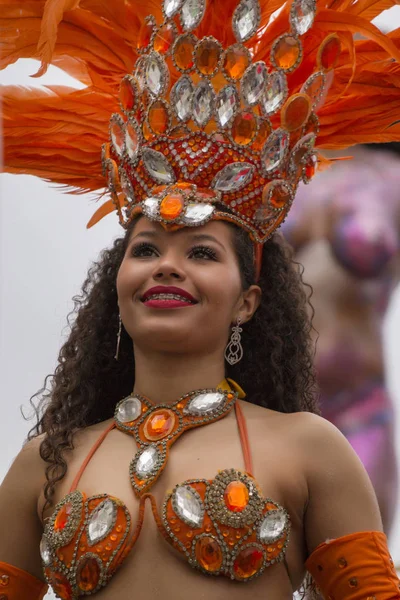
(181, 291)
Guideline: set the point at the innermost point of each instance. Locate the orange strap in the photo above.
(356, 567)
(244, 439)
(90, 455)
(16, 584)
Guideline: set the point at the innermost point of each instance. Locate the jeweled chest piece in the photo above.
(156, 427)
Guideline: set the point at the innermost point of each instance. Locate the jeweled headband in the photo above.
(221, 109)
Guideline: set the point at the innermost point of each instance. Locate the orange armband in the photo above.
(16, 584)
(355, 567)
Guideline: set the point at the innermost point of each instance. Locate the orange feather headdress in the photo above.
(217, 108)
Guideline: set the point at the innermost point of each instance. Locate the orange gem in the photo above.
(248, 562)
(145, 33)
(127, 93)
(183, 52)
(164, 38)
(171, 206)
(264, 129)
(236, 496)
(60, 584)
(209, 554)
(159, 424)
(158, 117)
(244, 128)
(329, 52)
(88, 574)
(296, 112)
(286, 52)
(279, 196)
(311, 167)
(236, 61)
(208, 54)
(62, 517)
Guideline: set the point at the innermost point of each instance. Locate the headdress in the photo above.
(217, 106)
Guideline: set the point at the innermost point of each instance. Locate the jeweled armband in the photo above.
(16, 584)
(355, 567)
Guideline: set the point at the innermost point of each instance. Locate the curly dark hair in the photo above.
(276, 370)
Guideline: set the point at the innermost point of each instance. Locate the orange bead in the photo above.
(164, 38)
(296, 112)
(62, 517)
(88, 574)
(236, 496)
(209, 554)
(329, 52)
(158, 117)
(159, 424)
(286, 52)
(236, 61)
(60, 584)
(244, 128)
(145, 33)
(183, 52)
(208, 54)
(248, 562)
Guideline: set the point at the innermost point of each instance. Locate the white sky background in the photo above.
(45, 251)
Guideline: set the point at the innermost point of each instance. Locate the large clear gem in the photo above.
(182, 98)
(203, 103)
(129, 410)
(156, 74)
(117, 134)
(188, 506)
(233, 177)
(171, 7)
(101, 521)
(246, 19)
(126, 186)
(132, 139)
(45, 551)
(147, 461)
(275, 93)
(275, 150)
(151, 207)
(272, 526)
(253, 83)
(158, 166)
(227, 103)
(302, 15)
(197, 212)
(206, 403)
(192, 13)
(140, 72)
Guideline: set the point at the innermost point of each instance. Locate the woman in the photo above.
(259, 490)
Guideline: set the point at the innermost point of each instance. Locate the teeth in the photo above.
(168, 297)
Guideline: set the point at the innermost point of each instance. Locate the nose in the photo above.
(168, 268)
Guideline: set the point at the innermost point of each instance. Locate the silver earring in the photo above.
(234, 350)
(118, 338)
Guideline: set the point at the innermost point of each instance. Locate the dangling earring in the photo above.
(234, 350)
(118, 338)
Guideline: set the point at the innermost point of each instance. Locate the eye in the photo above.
(203, 253)
(144, 250)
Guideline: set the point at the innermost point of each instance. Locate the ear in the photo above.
(248, 304)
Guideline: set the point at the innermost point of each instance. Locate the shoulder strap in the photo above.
(89, 456)
(244, 438)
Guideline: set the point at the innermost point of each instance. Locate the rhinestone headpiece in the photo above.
(209, 132)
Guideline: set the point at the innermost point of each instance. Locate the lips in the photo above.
(168, 290)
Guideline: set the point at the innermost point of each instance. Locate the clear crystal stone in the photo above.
(45, 551)
(227, 103)
(129, 410)
(272, 526)
(246, 19)
(140, 72)
(151, 207)
(203, 404)
(275, 150)
(158, 166)
(302, 15)
(188, 506)
(101, 521)
(264, 214)
(233, 177)
(132, 143)
(156, 74)
(196, 212)
(203, 103)
(117, 135)
(147, 461)
(192, 13)
(126, 186)
(171, 7)
(253, 83)
(275, 93)
(182, 98)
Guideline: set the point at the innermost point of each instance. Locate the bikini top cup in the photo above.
(222, 526)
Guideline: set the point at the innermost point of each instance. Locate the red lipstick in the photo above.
(166, 296)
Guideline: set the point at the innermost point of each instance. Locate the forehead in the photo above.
(222, 232)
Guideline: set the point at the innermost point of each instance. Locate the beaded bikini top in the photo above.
(222, 526)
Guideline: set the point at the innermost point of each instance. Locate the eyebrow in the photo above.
(199, 237)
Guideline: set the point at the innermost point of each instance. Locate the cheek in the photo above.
(127, 281)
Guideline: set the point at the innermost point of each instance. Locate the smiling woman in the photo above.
(202, 160)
